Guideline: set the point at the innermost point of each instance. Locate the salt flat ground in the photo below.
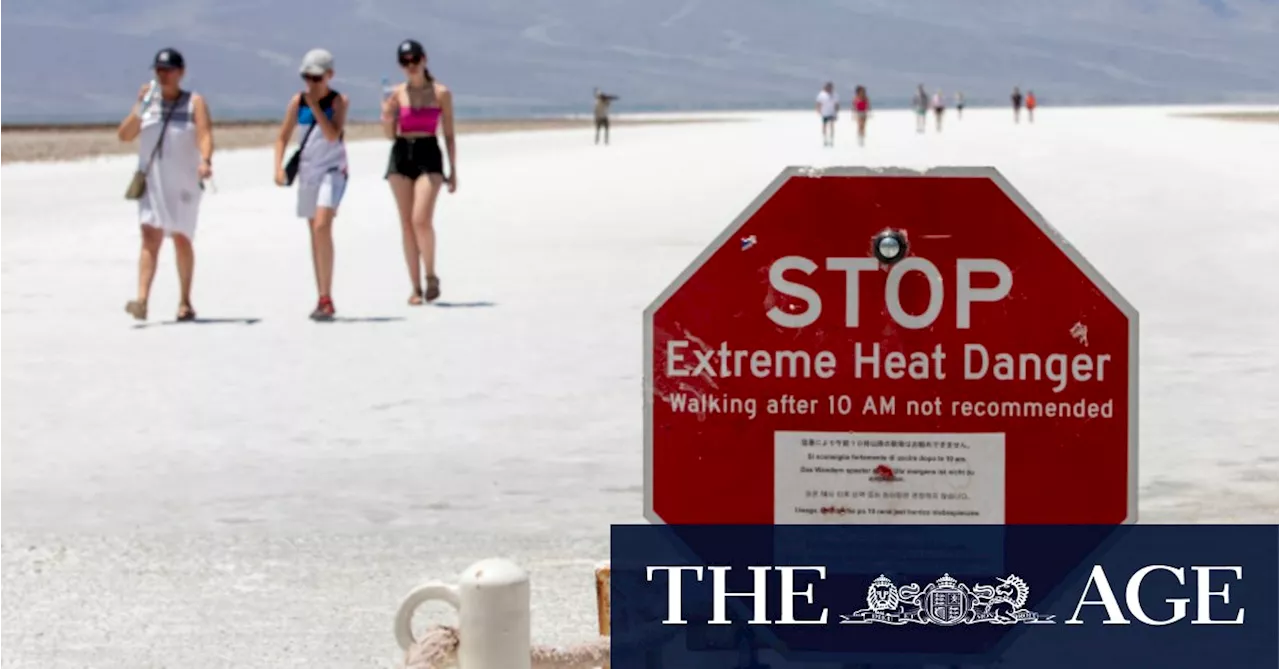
(261, 495)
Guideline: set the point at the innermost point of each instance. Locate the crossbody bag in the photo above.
(138, 186)
(291, 167)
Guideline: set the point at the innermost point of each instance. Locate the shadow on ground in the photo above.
(463, 305)
(364, 319)
(338, 319)
(201, 321)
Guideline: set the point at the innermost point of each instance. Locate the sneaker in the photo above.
(324, 310)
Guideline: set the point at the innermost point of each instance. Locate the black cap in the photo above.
(167, 58)
(411, 48)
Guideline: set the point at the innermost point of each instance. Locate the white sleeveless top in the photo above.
(179, 157)
(319, 155)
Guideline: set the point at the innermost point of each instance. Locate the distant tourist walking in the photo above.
(1016, 98)
(828, 107)
(175, 155)
(412, 114)
(861, 107)
(319, 165)
(601, 112)
(959, 105)
(939, 106)
(1031, 107)
(920, 102)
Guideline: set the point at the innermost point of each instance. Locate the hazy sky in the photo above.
(80, 59)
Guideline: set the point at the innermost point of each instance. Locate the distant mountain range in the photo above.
(83, 60)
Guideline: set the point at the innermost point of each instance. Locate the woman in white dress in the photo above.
(176, 154)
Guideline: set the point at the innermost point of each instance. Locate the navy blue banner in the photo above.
(1017, 596)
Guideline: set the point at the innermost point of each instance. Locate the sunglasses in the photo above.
(410, 60)
(313, 78)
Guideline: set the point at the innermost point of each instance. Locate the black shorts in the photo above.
(413, 157)
(602, 122)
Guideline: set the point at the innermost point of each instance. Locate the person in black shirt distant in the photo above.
(603, 100)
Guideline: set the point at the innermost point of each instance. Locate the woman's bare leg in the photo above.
(322, 249)
(186, 256)
(152, 240)
(402, 189)
(425, 191)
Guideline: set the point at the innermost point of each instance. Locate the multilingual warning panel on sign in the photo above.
(890, 479)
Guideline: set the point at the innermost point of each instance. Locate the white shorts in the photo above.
(325, 192)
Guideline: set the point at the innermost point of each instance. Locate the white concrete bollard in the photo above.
(492, 600)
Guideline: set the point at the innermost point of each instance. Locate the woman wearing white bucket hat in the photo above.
(319, 165)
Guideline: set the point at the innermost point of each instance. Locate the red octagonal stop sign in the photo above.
(976, 369)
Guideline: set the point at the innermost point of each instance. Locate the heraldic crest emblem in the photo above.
(947, 602)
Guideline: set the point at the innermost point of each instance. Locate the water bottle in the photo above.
(151, 93)
(387, 91)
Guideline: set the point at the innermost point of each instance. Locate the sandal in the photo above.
(415, 299)
(186, 312)
(433, 288)
(137, 309)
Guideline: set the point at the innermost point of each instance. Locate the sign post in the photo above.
(891, 347)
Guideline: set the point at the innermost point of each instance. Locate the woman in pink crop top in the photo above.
(861, 107)
(418, 121)
(411, 116)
